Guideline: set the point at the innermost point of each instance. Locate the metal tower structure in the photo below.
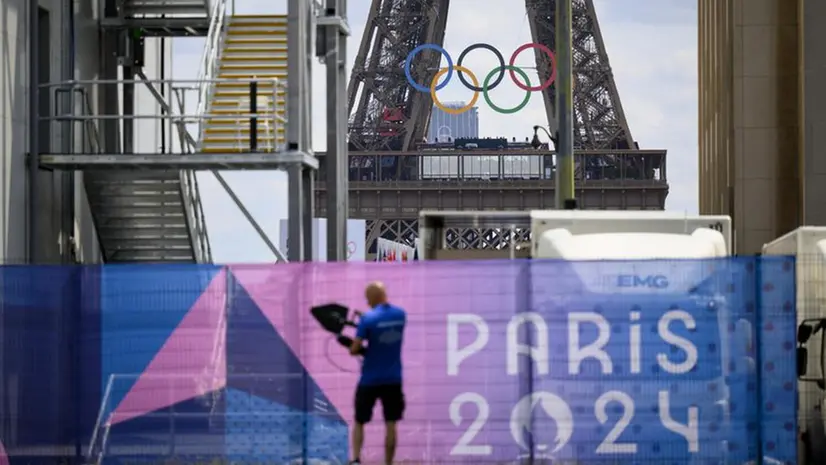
(387, 114)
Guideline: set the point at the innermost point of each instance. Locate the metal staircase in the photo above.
(254, 51)
(147, 217)
(146, 206)
(157, 216)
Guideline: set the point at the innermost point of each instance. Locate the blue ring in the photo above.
(409, 61)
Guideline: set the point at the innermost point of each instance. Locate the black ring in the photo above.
(495, 52)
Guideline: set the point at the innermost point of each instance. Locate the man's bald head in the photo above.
(375, 293)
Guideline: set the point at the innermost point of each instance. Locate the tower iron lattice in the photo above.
(388, 114)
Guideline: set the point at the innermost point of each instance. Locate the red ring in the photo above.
(541, 48)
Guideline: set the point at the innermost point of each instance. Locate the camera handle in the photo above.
(347, 342)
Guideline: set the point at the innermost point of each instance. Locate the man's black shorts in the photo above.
(392, 402)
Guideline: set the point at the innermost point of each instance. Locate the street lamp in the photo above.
(564, 172)
(536, 143)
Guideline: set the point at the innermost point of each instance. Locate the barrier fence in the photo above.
(685, 362)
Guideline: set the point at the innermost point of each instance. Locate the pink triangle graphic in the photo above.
(344, 283)
(191, 363)
(4, 458)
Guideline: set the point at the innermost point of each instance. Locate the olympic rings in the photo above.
(434, 88)
(487, 85)
(409, 61)
(498, 56)
(506, 111)
(541, 48)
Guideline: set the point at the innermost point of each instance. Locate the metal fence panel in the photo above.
(601, 362)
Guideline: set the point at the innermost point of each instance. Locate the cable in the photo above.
(330, 358)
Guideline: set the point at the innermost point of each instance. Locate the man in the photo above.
(382, 328)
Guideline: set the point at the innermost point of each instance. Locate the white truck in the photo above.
(808, 245)
(637, 222)
(640, 256)
(434, 225)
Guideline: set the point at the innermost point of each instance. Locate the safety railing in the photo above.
(210, 57)
(592, 166)
(216, 369)
(163, 109)
(261, 135)
(195, 217)
(190, 194)
(156, 397)
(69, 101)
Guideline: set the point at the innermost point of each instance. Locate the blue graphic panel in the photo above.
(141, 306)
(777, 399)
(262, 431)
(41, 398)
(327, 435)
(662, 372)
(637, 395)
(260, 362)
(186, 432)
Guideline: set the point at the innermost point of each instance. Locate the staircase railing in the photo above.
(100, 435)
(191, 198)
(65, 98)
(210, 59)
(216, 369)
(268, 123)
(193, 207)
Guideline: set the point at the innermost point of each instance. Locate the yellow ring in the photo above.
(454, 111)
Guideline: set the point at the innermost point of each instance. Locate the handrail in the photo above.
(195, 217)
(191, 200)
(278, 122)
(269, 121)
(209, 57)
(218, 349)
(100, 422)
(189, 180)
(89, 127)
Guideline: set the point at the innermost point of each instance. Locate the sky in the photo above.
(652, 49)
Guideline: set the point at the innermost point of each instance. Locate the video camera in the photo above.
(334, 318)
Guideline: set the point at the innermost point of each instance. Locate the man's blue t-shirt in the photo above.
(383, 329)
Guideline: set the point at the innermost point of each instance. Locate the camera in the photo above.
(334, 318)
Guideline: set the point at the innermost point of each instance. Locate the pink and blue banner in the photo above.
(505, 361)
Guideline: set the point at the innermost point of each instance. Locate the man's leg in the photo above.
(358, 441)
(389, 442)
(392, 403)
(365, 401)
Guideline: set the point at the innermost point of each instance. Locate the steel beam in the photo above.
(248, 215)
(299, 128)
(504, 152)
(194, 161)
(565, 198)
(34, 129)
(161, 27)
(334, 30)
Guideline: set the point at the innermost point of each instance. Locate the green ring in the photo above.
(506, 111)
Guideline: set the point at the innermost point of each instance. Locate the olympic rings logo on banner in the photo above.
(487, 85)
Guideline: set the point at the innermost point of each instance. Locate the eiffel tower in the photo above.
(387, 114)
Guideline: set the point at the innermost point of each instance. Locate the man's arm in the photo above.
(362, 329)
(356, 348)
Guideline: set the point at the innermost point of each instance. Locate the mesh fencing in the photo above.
(522, 361)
